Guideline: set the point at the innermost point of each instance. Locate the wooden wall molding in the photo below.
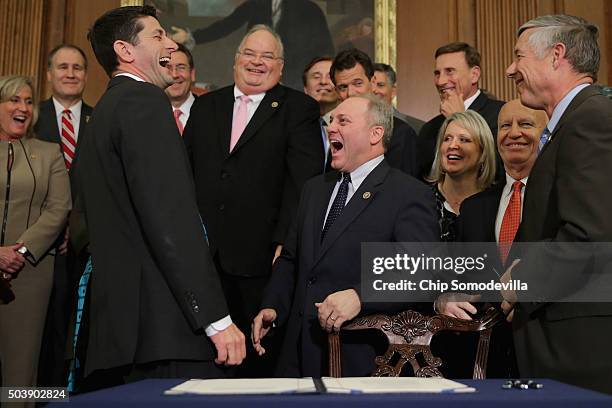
(21, 23)
(496, 25)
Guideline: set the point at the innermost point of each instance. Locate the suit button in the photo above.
(301, 313)
(312, 280)
(221, 207)
(224, 175)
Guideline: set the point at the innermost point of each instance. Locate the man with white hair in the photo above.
(567, 200)
(315, 285)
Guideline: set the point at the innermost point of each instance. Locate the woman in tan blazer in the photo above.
(34, 204)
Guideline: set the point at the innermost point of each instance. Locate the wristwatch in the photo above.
(23, 250)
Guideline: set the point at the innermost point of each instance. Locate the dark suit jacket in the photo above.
(400, 209)
(414, 123)
(476, 223)
(248, 198)
(302, 28)
(402, 153)
(426, 142)
(154, 287)
(568, 199)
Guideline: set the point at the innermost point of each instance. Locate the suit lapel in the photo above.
(224, 108)
(273, 100)
(85, 114)
(320, 207)
(54, 135)
(354, 207)
(575, 103)
(479, 103)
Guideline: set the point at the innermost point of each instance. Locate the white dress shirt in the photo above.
(357, 177)
(471, 99)
(251, 106)
(185, 109)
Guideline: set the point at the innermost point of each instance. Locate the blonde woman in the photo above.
(464, 165)
(34, 203)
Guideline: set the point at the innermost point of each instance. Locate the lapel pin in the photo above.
(275, 104)
(366, 195)
(32, 156)
(86, 118)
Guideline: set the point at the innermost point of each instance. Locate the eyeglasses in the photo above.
(267, 57)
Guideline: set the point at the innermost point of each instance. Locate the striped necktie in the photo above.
(68, 137)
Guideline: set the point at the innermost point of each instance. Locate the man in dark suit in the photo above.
(384, 85)
(566, 202)
(456, 76)
(67, 74)
(352, 72)
(319, 86)
(157, 307)
(184, 74)
(315, 285)
(301, 25)
(494, 215)
(252, 146)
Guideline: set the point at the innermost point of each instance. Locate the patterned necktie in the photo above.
(510, 222)
(68, 139)
(179, 124)
(338, 204)
(544, 138)
(239, 123)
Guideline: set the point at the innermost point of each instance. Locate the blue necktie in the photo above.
(544, 138)
(337, 205)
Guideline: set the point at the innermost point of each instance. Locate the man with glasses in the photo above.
(252, 146)
(183, 72)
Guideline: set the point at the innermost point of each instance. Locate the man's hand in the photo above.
(179, 35)
(11, 261)
(262, 323)
(231, 348)
(63, 248)
(508, 295)
(452, 101)
(277, 253)
(508, 309)
(338, 308)
(457, 305)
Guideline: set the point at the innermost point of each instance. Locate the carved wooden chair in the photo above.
(409, 334)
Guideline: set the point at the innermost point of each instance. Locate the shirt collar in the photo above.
(361, 172)
(186, 106)
(469, 101)
(327, 118)
(75, 109)
(129, 75)
(510, 181)
(254, 98)
(562, 106)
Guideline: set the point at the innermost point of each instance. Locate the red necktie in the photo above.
(511, 221)
(68, 139)
(179, 124)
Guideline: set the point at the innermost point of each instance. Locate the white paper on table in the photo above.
(243, 386)
(389, 385)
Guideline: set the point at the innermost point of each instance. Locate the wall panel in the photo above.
(21, 24)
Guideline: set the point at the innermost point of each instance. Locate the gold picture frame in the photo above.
(385, 36)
